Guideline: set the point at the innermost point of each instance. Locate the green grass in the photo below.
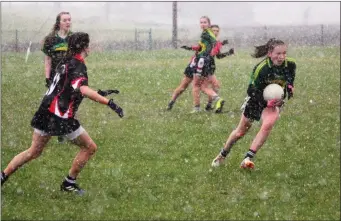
(154, 164)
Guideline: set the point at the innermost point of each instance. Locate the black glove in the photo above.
(186, 47)
(231, 51)
(105, 93)
(225, 42)
(290, 90)
(223, 55)
(48, 82)
(116, 108)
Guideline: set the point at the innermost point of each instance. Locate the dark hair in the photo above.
(55, 27)
(208, 19)
(77, 42)
(215, 26)
(262, 50)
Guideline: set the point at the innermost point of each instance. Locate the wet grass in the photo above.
(155, 164)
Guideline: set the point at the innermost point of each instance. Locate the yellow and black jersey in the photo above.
(55, 47)
(265, 73)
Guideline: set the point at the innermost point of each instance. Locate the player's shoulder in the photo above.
(291, 62)
(261, 66)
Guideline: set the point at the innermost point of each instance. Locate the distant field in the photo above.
(154, 164)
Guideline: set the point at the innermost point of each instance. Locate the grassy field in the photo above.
(154, 164)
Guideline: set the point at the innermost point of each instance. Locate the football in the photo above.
(273, 91)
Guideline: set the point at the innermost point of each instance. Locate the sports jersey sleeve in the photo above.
(47, 46)
(258, 75)
(207, 43)
(257, 80)
(290, 77)
(79, 77)
(216, 49)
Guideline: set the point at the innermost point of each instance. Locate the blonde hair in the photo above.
(207, 18)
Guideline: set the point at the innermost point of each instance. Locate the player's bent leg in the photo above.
(269, 118)
(243, 127)
(179, 90)
(39, 141)
(87, 148)
(197, 81)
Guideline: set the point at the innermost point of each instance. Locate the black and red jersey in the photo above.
(63, 96)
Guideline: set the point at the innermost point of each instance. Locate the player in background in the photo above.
(55, 115)
(212, 77)
(208, 49)
(275, 68)
(55, 46)
(188, 74)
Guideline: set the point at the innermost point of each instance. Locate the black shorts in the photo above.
(53, 125)
(253, 108)
(203, 66)
(212, 68)
(189, 71)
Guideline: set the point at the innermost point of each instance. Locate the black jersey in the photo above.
(61, 101)
(63, 96)
(266, 73)
(55, 47)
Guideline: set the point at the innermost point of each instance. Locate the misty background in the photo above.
(149, 25)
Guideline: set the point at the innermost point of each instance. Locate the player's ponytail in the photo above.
(262, 50)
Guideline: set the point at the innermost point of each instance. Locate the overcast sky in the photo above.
(224, 13)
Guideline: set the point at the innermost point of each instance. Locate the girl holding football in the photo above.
(275, 68)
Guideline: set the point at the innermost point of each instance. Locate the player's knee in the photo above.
(240, 133)
(267, 126)
(92, 148)
(34, 153)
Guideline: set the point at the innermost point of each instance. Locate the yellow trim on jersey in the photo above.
(211, 33)
(256, 73)
(61, 49)
(202, 46)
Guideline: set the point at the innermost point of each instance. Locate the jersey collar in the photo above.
(79, 58)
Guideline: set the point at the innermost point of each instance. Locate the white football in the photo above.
(273, 91)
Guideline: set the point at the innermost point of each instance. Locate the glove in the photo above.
(116, 108)
(290, 90)
(231, 51)
(105, 93)
(275, 103)
(48, 82)
(225, 42)
(186, 47)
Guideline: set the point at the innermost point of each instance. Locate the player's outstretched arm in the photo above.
(223, 55)
(105, 93)
(95, 96)
(47, 63)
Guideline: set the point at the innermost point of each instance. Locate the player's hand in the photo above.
(275, 103)
(48, 82)
(231, 51)
(186, 47)
(105, 93)
(225, 42)
(290, 90)
(116, 108)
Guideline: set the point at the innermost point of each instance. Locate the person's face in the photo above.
(204, 23)
(87, 51)
(65, 22)
(278, 54)
(216, 31)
